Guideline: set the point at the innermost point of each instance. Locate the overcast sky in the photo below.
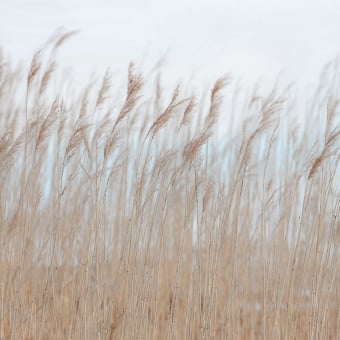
(249, 38)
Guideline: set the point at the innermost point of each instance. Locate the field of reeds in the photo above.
(131, 211)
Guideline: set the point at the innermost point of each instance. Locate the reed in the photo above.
(135, 212)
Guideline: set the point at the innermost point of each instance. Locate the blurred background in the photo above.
(196, 39)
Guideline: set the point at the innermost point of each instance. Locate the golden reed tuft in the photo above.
(133, 212)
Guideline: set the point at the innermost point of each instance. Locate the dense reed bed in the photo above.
(129, 211)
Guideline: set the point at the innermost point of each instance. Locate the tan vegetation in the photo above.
(143, 214)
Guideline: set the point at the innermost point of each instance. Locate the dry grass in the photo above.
(124, 216)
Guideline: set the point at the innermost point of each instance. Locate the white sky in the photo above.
(248, 38)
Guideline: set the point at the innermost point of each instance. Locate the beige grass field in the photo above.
(131, 211)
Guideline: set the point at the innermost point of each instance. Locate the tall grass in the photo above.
(132, 212)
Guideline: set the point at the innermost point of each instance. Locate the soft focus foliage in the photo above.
(132, 212)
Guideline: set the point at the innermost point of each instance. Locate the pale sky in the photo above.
(249, 38)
